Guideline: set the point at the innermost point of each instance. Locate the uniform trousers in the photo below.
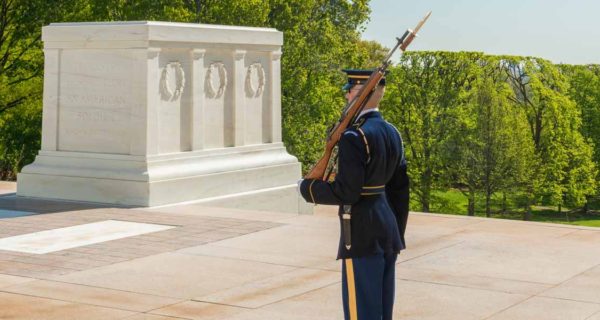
(368, 287)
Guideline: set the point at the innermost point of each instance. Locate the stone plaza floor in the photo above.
(216, 263)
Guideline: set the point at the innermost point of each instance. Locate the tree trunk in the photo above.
(503, 202)
(426, 190)
(198, 8)
(425, 204)
(488, 197)
(471, 210)
(586, 206)
(527, 215)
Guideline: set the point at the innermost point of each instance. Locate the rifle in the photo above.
(324, 167)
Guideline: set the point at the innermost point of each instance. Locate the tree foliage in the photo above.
(488, 150)
(566, 170)
(487, 124)
(20, 137)
(423, 92)
(584, 90)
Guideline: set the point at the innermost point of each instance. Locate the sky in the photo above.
(562, 31)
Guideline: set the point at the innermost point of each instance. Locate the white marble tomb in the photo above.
(156, 113)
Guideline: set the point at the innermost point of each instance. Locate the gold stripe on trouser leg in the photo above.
(351, 290)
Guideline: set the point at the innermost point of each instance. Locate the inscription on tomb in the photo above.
(96, 98)
(95, 116)
(93, 100)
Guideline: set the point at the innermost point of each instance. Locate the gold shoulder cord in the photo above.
(366, 144)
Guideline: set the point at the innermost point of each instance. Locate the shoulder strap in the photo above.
(357, 127)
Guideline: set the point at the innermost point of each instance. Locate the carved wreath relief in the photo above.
(172, 69)
(255, 79)
(216, 71)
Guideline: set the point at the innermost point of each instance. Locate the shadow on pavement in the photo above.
(12, 206)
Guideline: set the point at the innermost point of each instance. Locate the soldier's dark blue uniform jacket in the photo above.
(372, 178)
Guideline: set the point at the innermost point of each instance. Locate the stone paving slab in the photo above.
(14, 306)
(256, 294)
(199, 310)
(175, 275)
(116, 299)
(469, 280)
(60, 239)
(320, 304)
(552, 263)
(292, 241)
(258, 255)
(549, 309)
(582, 287)
(583, 236)
(521, 231)
(235, 264)
(421, 300)
(190, 231)
(147, 316)
(8, 280)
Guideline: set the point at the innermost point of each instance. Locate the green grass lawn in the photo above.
(455, 202)
(588, 223)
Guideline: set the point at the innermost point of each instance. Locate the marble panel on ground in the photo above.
(156, 113)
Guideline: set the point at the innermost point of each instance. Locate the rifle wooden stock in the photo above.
(318, 171)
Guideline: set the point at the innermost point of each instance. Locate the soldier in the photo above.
(371, 185)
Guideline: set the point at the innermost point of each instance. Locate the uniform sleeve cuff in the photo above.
(305, 190)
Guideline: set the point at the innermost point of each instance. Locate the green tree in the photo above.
(424, 89)
(225, 12)
(488, 151)
(20, 137)
(21, 58)
(564, 171)
(584, 89)
(371, 54)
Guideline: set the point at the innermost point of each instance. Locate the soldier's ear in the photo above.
(380, 90)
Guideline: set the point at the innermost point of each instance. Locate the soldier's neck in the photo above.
(367, 111)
